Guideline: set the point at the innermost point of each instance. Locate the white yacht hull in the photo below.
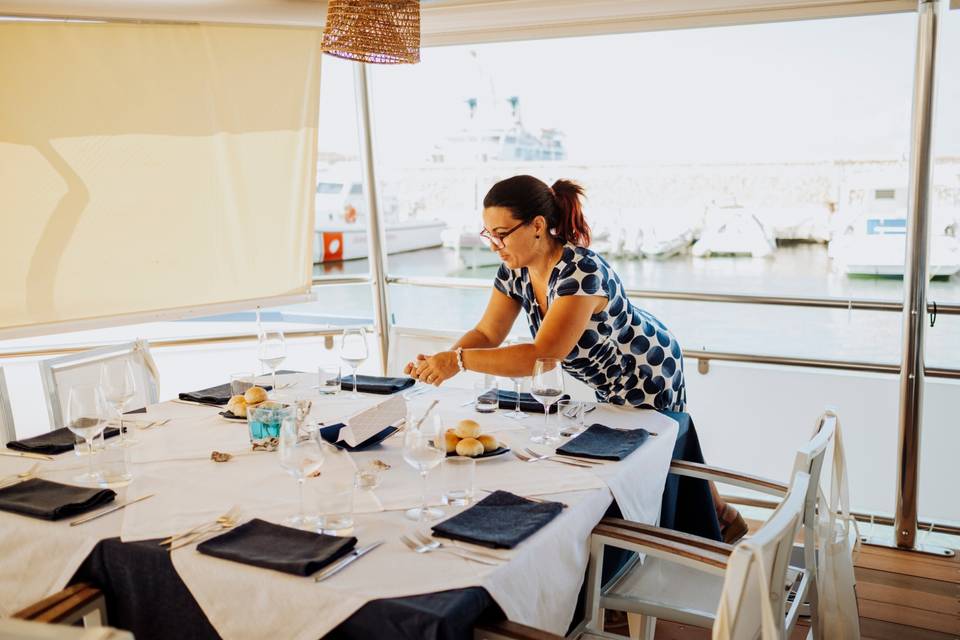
(336, 242)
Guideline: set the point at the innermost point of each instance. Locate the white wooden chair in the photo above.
(7, 432)
(705, 583)
(60, 374)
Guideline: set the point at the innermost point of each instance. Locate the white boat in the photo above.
(870, 238)
(733, 231)
(340, 224)
(806, 223)
(668, 232)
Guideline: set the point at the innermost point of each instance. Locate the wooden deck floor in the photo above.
(902, 596)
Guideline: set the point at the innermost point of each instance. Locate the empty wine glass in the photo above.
(353, 352)
(547, 388)
(272, 350)
(423, 450)
(516, 414)
(86, 417)
(300, 455)
(118, 386)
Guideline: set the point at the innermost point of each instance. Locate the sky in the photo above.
(794, 91)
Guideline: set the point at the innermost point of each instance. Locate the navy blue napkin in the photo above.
(51, 500)
(54, 442)
(605, 443)
(377, 384)
(502, 520)
(271, 546)
(332, 432)
(219, 394)
(529, 404)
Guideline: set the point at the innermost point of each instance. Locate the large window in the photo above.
(722, 160)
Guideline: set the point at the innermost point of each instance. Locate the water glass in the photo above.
(335, 504)
(353, 352)
(264, 422)
(114, 465)
(240, 382)
(517, 414)
(272, 351)
(328, 380)
(118, 386)
(86, 417)
(570, 413)
(485, 394)
(458, 475)
(423, 449)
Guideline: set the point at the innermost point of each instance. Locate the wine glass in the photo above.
(118, 386)
(300, 455)
(86, 417)
(423, 449)
(516, 414)
(272, 350)
(353, 352)
(547, 388)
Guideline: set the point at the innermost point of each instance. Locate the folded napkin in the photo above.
(502, 520)
(219, 394)
(54, 442)
(377, 384)
(605, 443)
(51, 500)
(332, 433)
(529, 404)
(272, 546)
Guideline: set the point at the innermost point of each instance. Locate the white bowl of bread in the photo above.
(467, 441)
(239, 405)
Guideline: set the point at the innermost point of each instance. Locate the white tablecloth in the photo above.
(538, 585)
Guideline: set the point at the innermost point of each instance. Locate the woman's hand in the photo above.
(436, 368)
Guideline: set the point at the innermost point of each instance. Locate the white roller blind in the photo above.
(468, 21)
(151, 170)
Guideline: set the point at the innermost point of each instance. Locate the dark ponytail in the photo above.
(527, 197)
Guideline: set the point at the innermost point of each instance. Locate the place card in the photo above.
(369, 422)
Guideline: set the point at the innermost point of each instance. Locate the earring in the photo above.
(538, 236)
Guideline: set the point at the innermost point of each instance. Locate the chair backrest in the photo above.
(60, 374)
(753, 601)
(7, 432)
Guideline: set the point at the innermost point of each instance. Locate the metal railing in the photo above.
(850, 304)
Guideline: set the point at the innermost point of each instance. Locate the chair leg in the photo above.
(641, 627)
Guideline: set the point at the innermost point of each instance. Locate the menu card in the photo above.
(371, 421)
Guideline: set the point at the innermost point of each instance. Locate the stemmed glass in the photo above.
(516, 414)
(86, 417)
(547, 388)
(353, 352)
(300, 455)
(118, 386)
(423, 450)
(271, 351)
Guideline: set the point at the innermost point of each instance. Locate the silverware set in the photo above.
(529, 455)
(203, 531)
(422, 543)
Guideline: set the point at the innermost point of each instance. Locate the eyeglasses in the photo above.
(496, 239)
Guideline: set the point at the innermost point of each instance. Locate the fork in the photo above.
(430, 541)
(230, 515)
(559, 456)
(204, 535)
(156, 423)
(435, 545)
(11, 480)
(527, 458)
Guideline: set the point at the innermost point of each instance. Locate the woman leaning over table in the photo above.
(577, 309)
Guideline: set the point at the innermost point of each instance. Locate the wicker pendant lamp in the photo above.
(378, 31)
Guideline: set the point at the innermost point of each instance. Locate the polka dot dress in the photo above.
(625, 353)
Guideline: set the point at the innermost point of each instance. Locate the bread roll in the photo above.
(469, 447)
(468, 429)
(255, 395)
(450, 439)
(237, 406)
(489, 443)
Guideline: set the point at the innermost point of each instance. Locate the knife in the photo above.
(350, 557)
(26, 454)
(110, 510)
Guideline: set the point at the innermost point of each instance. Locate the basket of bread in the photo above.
(238, 405)
(467, 440)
